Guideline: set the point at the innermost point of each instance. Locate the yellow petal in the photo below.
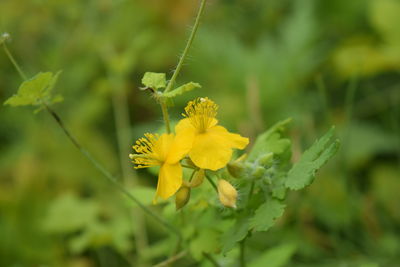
(181, 145)
(163, 146)
(231, 139)
(210, 151)
(169, 180)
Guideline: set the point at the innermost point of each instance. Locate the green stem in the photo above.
(187, 47)
(211, 259)
(242, 259)
(14, 62)
(96, 164)
(108, 175)
(164, 110)
(212, 183)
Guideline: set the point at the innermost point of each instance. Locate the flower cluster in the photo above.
(197, 137)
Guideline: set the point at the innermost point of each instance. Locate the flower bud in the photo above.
(182, 197)
(266, 159)
(235, 169)
(258, 172)
(198, 178)
(227, 193)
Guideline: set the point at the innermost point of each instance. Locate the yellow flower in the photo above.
(165, 151)
(211, 144)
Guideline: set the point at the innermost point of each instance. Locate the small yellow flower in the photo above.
(211, 144)
(165, 151)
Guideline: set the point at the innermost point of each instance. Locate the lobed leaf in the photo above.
(271, 141)
(182, 89)
(303, 172)
(234, 235)
(154, 80)
(266, 215)
(35, 91)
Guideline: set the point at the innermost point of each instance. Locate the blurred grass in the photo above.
(321, 63)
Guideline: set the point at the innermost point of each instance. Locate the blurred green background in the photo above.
(320, 62)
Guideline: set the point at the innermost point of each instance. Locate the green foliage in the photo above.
(36, 91)
(154, 80)
(266, 214)
(303, 172)
(182, 89)
(275, 257)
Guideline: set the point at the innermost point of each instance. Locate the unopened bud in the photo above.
(182, 197)
(266, 159)
(258, 172)
(235, 169)
(227, 194)
(198, 178)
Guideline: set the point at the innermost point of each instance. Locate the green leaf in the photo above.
(207, 241)
(234, 235)
(35, 91)
(154, 80)
(182, 89)
(266, 215)
(270, 141)
(79, 213)
(303, 172)
(275, 257)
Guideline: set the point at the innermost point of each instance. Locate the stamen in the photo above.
(145, 147)
(201, 113)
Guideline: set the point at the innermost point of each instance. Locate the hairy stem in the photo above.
(164, 110)
(187, 47)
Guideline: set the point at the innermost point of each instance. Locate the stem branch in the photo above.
(187, 47)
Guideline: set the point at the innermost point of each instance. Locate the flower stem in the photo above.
(187, 47)
(96, 164)
(164, 110)
(242, 251)
(212, 183)
(14, 62)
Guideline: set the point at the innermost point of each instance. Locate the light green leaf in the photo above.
(303, 172)
(36, 91)
(275, 257)
(266, 215)
(182, 89)
(154, 80)
(79, 213)
(270, 141)
(234, 235)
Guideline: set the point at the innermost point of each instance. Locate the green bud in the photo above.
(198, 178)
(235, 169)
(258, 172)
(182, 197)
(266, 159)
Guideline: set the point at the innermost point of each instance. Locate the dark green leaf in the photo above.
(303, 172)
(266, 215)
(234, 235)
(275, 257)
(270, 141)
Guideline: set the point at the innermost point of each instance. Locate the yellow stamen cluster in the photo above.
(145, 147)
(201, 113)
